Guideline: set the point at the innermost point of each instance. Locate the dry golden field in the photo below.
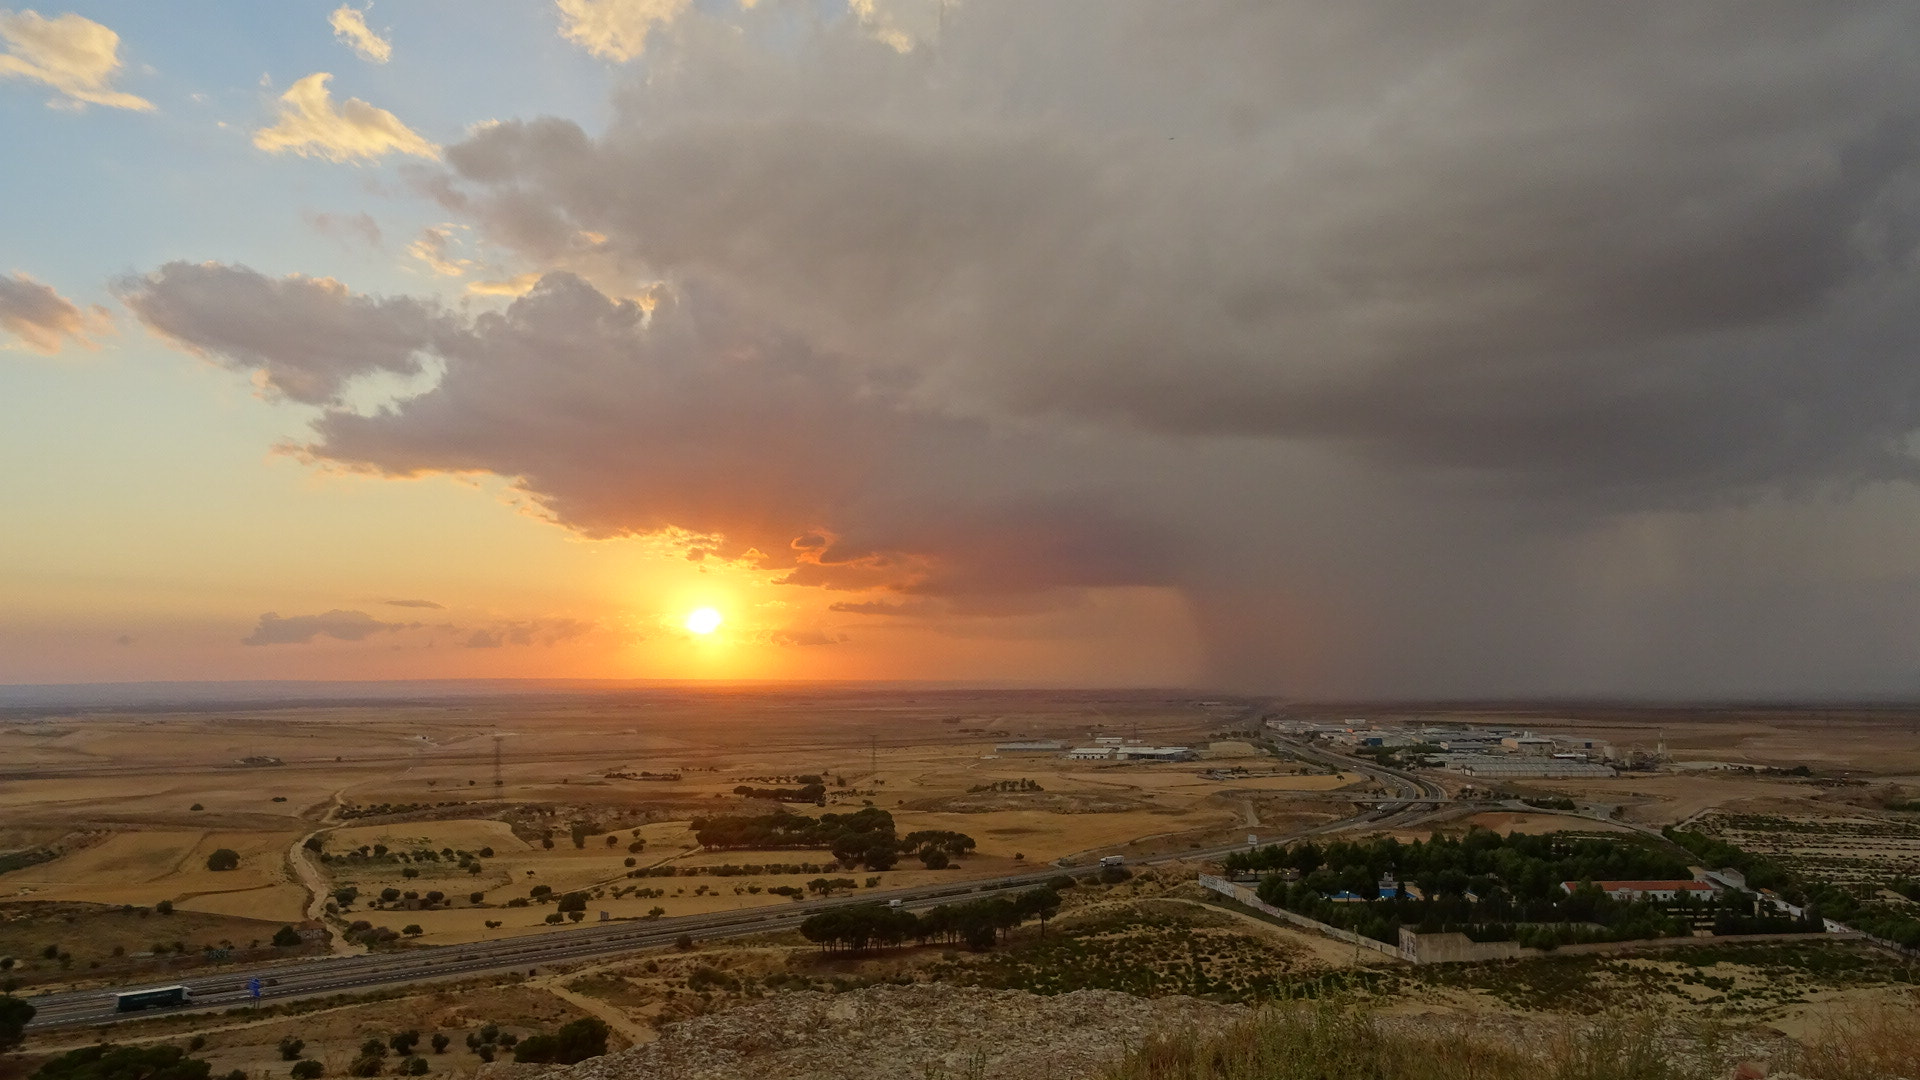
(131, 804)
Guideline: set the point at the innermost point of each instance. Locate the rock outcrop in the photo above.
(903, 1033)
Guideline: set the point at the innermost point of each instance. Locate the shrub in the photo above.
(440, 1041)
(290, 1048)
(223, 859)
(414, 1066)
(14, 1014)
(285, 938)
(307, 1070)
(572, 1043)
(104, 1062)
(412, 929)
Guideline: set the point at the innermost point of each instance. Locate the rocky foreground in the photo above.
(918, 1032)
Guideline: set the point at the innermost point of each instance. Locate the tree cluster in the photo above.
(574, 1042)
(810, 793)
(1820, 899)
(864, 837)
(1494, 888)
(109, 1062)
(978, 923)
(1022, 784)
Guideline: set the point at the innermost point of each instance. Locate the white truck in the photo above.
(1113, 860)
(160, 997)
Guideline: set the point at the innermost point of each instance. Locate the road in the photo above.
(342, 974)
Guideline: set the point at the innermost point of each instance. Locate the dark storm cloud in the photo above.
(307, 336)
(697, 418)
(1671, 249)
(1453, 348)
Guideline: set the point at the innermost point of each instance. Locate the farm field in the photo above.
(107, 815)
(123, 809)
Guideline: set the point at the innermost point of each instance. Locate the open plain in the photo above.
(412, 824)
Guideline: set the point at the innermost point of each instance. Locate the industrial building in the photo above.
(1488, 767)
(1132, 752)
(1156, 753)
(1528, 744)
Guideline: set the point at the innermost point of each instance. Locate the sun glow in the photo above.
(704, 620)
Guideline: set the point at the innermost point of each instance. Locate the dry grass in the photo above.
(1310, 1041)
(1877, 1041)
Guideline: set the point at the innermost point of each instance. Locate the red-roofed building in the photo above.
(1650, 890)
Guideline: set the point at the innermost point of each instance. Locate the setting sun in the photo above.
(704, 620)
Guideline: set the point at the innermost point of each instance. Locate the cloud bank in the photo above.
(310, 125)
(303, 629)
(75, 56)
(43, 319)
(350, 26)
(1436, 352)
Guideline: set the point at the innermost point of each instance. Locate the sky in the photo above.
(1469, 349)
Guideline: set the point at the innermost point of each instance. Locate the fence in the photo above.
(1240, 894)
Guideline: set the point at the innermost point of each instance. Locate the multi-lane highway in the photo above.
(346, 974)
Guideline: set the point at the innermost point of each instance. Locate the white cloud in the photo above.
(517, 285)
(44, 319)
(76, 56)
(435, 248)
(310, 125)
(615, 29)
(350, 25)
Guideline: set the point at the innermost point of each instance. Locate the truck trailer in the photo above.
(160, 997)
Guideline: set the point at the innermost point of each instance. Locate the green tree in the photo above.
(286, 938)
(440, 1041)
(223, 859)
(290, 1048)
(307, 1070)
(14, 1014)
(412, 929)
